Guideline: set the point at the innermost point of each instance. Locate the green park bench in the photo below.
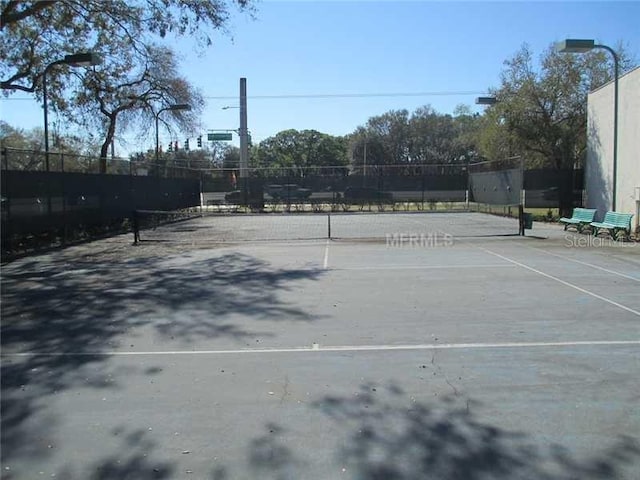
(580, 218)
(614, 223)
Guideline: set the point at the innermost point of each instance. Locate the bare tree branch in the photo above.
(11, 15)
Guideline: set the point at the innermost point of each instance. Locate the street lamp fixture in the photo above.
(82, 59)
(486, 100)
(177, 106)
(228, 107)
(573, 45)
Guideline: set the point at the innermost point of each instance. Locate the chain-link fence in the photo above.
(390, 187)
(39, 161)
(44, 208)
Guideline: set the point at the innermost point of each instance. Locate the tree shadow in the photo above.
(268, 453)
(134, 459)
(598, 189)
(386, 434)
(63, 315)
(50, 307)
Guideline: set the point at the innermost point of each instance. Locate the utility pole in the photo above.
(244, 134)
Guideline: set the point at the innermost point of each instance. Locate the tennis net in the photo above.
(199, 227)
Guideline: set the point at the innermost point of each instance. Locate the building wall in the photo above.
(599, 166)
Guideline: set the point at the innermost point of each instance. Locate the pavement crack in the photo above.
(285, 389)
(455, 390)
(444, 375)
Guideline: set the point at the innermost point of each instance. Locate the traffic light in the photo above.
(175, 146)
(186, 144)
(170, 149)
(200, 141)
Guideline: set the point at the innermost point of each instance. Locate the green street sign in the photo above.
(219, 137)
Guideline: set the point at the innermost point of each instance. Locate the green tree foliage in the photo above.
(25, 148)
(293, 152)
(541, 113)
(425, 137)
(186, 162)
(19, 138)
(467, 125)
(230, 156)
(389, 133)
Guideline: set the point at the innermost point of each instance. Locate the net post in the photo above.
(136, 227)
(329, 226)
(521, 219)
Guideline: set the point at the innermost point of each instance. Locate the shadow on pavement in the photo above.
(386, 434)
(61, 312)
(135, 459)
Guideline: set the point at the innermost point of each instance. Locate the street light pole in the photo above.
(157, 155)
(84, 59)
(178, 106)
(582, 46)
(46, 110)
(615, 121)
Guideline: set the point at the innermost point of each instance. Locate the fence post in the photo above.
(6, 231)
(64, 208)
(49, 206)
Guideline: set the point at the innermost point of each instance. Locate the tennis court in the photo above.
(407, 345)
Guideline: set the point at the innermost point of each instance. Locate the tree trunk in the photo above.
(104, 148)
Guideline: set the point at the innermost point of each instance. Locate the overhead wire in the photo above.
(322, 95)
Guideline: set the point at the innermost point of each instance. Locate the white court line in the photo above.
(575, 287)
(325, 263)
(597, 267)
(316, 348)
(424, 267)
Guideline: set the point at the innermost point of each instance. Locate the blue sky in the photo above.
(365, 47)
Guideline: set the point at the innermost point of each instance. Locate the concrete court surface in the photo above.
(492, 358)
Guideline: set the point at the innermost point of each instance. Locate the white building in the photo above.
(599, 165)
